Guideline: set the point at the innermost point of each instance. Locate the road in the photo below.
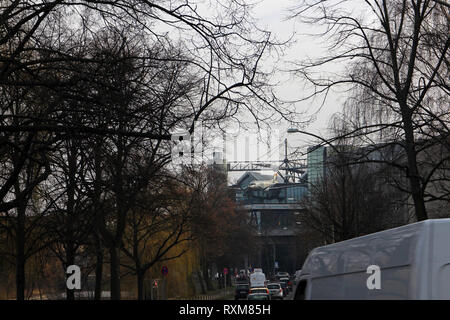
(290, 296)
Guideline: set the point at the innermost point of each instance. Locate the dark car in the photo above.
(241, 291)
(288, 283)
(291, 283)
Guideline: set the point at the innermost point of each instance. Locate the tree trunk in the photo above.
(98, 270)
(115, 273)
(221, 280)
(413, 172)
(20, 255)
(70, 243)
(209, 285)
(98, 221)
(140, 284)
(70, 260)
(20, 274)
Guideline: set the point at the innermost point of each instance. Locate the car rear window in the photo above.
(273, 286)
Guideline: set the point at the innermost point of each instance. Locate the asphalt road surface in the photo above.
(290, 296)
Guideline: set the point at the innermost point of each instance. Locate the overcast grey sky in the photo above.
(271, 15)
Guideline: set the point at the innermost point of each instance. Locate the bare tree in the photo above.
(43, 44)
(395, 63)
(159, 223)
(222, 233)
(25, 164)
(351, 199)
(70, 219)
(121, 75)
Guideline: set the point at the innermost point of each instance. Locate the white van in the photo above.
(413, 261)
(257, 279)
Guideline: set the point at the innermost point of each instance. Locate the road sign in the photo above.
(225, 270)
(164, 270)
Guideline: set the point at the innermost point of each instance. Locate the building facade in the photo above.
(272, 208)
